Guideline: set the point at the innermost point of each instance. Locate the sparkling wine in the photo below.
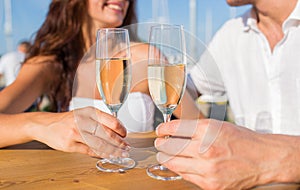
(166, 85)
(113, 81)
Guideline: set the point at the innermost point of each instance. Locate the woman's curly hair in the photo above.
(61, 35)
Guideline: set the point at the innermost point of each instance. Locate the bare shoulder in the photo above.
(36, 77)
(41, 60)
(47, 64)
(139, 50)
(44, 68)
(139, 46)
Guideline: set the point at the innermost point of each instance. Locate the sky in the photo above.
(28, 15)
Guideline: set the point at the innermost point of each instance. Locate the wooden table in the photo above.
(51, 169)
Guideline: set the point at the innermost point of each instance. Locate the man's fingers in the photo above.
(183, 128)
(178, 146)
(204, 131)
(182, 165)
(190, 169)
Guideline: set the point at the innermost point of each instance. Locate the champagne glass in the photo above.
(113, 78)
(166, 78)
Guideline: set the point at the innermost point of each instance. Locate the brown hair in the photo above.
(61, 35)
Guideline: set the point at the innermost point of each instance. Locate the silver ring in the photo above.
(95, 130)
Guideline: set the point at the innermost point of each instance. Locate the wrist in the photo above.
(31, 127)
(290, 169)
(280, 161)
(35, 125)
(16, 129)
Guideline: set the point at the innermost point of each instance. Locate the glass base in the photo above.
(115, 165)
(162, 173)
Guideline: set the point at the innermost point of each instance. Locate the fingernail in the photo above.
(155, 141)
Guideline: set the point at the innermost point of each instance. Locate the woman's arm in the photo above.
(86, 130)
(35, 78)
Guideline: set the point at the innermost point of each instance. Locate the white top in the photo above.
(137, 113)
(262, 86)
(10, 65)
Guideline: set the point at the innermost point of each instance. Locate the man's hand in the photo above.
(220, 155)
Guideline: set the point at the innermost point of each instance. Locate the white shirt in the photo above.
(137, 113)
(261, 85)
(10, 65)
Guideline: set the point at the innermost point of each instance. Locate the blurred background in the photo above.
(20, 19)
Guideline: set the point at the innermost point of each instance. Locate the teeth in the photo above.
(116, 7)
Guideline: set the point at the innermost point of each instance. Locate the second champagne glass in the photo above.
(113, 77)
(166, 78)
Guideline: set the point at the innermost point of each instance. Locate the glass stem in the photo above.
(115, 114)
(167, 117)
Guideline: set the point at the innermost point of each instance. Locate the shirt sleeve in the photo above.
(1, 66)
(206, 73)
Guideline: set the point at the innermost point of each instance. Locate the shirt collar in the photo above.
(294, 19)
(250, 20)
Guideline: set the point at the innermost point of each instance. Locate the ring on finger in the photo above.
(95, 130)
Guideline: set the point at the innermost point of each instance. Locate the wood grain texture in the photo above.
(50, 169)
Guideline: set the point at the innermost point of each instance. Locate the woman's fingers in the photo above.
(110, 122)
(103, 148)
(103, 133)
(81, 148)
(104, 145)
(84, 117)
(110, 136)
(95, 146)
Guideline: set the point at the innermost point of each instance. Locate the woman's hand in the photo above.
(87, 130)
(219, 155)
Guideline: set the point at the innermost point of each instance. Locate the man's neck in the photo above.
(272, 11)
(270, 17)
